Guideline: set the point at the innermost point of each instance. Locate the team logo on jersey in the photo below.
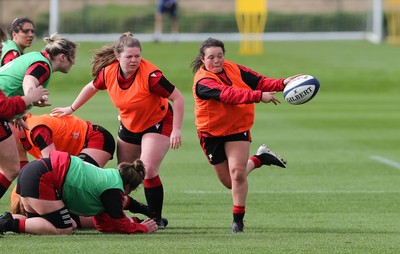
(6, 126)
(157, 126)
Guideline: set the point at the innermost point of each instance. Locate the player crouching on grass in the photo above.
(51, 187)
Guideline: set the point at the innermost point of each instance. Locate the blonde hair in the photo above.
(107, 54)
(16, 206)
(59, 45)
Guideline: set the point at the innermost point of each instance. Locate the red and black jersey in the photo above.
(40, 70)
(224, 101)
(67, 133)
(9, 56)
(141, 99)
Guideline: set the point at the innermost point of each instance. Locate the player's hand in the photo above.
(269, 97)
(287, 80)
(36, 96)
(20, 123)
(62, 111)
(150, 224)
(41, 104)
(176, 139)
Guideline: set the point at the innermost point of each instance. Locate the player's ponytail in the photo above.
(132, 173)
(107, 54)
(59, 45)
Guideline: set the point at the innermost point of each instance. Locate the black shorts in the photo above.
(213, 147)
(36, 180)
(165, 7)
(100, 138)
(5, 130)
(164, 127)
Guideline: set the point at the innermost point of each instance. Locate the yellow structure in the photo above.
(251, 16)
(392, 13)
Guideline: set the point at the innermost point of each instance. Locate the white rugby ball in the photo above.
(301, 89)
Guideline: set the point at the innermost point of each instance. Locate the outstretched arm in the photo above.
(113, 219)
(86, 93)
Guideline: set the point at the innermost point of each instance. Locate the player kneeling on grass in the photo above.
(52, 187)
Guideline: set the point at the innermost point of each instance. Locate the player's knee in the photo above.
(61, 220)
(238, 175)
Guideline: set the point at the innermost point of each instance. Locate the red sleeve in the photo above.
(259, 82)
(11, 106)
(11, 55)
(40, 70)
(104, 223)
(99, 82)
(211, 89)
(113, 219)
(270, 84)
(41, 136)
(160, 85)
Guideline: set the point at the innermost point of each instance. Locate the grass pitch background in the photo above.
(339, 194)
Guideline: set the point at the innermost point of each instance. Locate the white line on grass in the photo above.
(392, 163)
(296, 192)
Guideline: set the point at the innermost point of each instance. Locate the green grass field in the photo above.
(339, 194)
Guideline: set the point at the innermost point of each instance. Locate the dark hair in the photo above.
(106, 55)
(210, 42)
(132, 173)
(3, 35)
(16, 25)
(59, 45)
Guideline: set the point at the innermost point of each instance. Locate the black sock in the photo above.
(4, 184)
(137, 207)
(14, 225)
(2, 190)
(155, 199)
(238, 217)
(77, 219)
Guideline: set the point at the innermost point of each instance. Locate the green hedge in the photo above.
(140, 19)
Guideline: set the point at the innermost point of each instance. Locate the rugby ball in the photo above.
(301, 89)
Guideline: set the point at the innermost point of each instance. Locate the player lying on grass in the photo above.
(52, 187)
(90, 142)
